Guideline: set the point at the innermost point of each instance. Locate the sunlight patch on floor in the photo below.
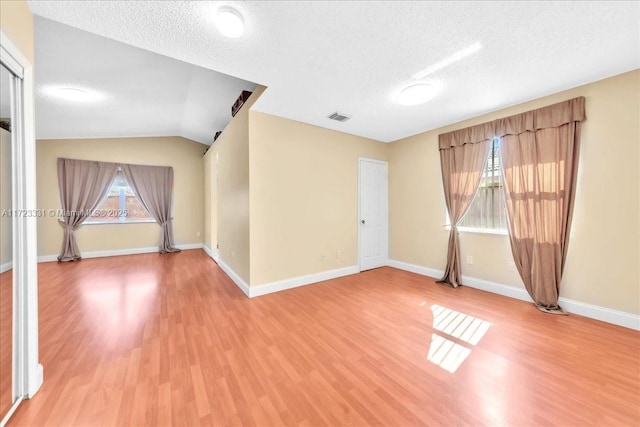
(117, 307)
(446, 353)
(459, 325)
(453, 326)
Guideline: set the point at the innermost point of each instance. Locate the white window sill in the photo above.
(140, 221)
(498, 232)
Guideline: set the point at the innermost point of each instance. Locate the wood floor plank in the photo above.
(6, 341)
(169, 340)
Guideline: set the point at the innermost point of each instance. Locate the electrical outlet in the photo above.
(322, 257)
(469, 259)
(198, 234)
(338, 254)
(511, 266)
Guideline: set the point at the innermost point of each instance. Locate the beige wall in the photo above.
(16, 21)
(210, 200)
(604, 252)
(229, 165)
(207, 198)
(304, 197)
(6, 232)
(183, 155)
(213, 207)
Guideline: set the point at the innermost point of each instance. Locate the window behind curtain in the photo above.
(120, 206)
(488, 209)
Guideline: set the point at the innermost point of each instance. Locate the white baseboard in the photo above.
(280, 285)
(418, 269)
(617, 317)
(213, 253)
(604, 314)
(119, 252)
(496, 288)
(6, 266)
(188, 246)
(308, 279)
(244, 287)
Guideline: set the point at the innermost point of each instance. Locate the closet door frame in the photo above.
(27, 372)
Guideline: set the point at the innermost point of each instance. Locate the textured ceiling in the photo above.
(320, 57)
(142, 93)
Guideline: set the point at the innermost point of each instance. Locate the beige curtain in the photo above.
(153, 185)
(540, 160)
(82, 184)
(463, 155)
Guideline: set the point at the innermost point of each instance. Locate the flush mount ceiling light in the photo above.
(416, 93)
(229, 22)
(73, 94)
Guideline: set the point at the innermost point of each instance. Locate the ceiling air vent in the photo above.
(339, 117)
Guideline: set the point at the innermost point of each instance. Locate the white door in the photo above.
(373, 246)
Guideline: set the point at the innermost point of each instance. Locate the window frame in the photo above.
(478, 230)
(474, 230)
(121, 197)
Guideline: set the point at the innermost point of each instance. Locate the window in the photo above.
(488, 211)
(120, 206)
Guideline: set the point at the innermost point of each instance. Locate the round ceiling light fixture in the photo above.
(416, 94)
(229, 22)
(73, 94)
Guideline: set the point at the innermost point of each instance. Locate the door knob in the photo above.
(362, 221)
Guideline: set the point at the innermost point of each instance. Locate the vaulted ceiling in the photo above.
(320, 57)
(138, 93)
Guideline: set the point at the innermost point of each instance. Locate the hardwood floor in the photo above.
(170, 340)
(6, 344)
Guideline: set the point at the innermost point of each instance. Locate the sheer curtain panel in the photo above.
(82, 184)
(540, 154)
(153, 185)
(540, 151)
(463, 155)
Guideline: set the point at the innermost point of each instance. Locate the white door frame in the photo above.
(27, 371)
(381, 162)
